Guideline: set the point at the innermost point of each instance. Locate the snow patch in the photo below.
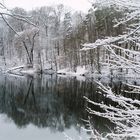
(80, 71)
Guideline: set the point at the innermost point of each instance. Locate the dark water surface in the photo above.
(40, 108)
(47, 107)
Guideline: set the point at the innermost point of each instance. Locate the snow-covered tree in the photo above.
(123, 48)
(26, 42)
(122, 56)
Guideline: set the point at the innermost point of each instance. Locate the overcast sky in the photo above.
(83, 5)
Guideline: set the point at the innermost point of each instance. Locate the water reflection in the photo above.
(45, 101)
(53, 102)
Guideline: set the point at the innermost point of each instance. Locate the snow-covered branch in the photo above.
(125, 116)
(5, 13)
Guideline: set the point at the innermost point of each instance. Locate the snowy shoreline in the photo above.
(81, 72)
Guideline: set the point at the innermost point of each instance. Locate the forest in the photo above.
(55, 37)
(103, 43)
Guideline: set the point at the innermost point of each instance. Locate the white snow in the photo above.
(29, 71)
(80, 71)
(122, 115)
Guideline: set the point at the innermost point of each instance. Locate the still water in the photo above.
(40, 108)
(48, 107)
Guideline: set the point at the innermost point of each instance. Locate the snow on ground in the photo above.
(79, 74)
(105, 72)
(80, 71)
(29, 71)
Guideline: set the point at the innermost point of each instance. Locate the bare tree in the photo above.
(27, 39)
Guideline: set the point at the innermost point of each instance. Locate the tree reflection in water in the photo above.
(46, 101)
(53, 102)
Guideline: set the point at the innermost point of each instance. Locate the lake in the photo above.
(50, 107)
